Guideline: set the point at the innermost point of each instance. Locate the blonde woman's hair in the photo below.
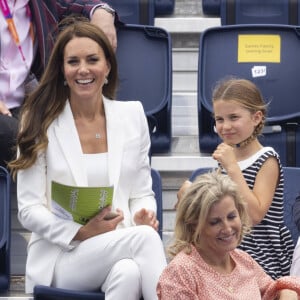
(194, 207)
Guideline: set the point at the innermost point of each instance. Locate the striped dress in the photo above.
(270, 242)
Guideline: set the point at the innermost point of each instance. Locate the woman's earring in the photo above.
(65, 83)
(105, 80)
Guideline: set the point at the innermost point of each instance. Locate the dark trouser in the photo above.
(8, 135)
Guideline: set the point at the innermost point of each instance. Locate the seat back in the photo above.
(199, 171)
(157, 189)
(135, 11)
(5, 225)
(259, 12)
(291, 192)
(266, 55)
(211, 7)
(145, 73)
(41, 292)
(164, 7)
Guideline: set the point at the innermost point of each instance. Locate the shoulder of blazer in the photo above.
(125, 106)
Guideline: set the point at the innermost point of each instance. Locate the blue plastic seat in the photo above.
(144, 58)
(5, 226)
(259, 12)
(135, 11)
(164, 7)
(211, 7)
(42, 292)
(291, 191)
(276, 74)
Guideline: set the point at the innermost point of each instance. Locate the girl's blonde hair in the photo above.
(246, 94)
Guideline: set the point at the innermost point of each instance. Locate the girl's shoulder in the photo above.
(259, 157)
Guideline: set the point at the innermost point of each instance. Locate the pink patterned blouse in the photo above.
(189, 277)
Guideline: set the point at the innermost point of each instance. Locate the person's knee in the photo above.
(147, 234)
(124, 277)
(129, 270)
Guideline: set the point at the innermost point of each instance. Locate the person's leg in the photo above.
(123, 281)
(88, 265)
(8, 135)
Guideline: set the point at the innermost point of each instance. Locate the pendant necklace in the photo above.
(98, 136)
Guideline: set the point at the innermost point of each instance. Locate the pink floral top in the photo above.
(189, 277)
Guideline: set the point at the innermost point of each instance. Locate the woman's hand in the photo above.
(146, 217)
(4, 110)
(99, 224)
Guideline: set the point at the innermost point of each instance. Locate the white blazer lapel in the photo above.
(115, 139)
(69, 142)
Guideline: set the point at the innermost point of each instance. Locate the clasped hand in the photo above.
(99, 224)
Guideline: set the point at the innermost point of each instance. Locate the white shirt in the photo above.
(13, 71)
(97, 169)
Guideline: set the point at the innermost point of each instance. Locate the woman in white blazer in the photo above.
(73, 133)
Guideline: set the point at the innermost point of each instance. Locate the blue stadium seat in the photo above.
(135, 11)
(164, 7)
(259, 12)
(199, 171)
(211, 7)
(5, 226)
(291, 191)
(157, 189)
(272, 63)
(42, 292)
(144, 58)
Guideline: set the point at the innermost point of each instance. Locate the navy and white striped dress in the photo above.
(270, 242)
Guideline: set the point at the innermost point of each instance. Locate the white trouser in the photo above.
(295, 268)
(124, 262)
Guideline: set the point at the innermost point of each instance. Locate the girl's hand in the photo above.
(225, 155)
(146, 217)
(99, 224)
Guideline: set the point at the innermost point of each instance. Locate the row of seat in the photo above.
(265, 54)
(142, 11)
(254, 11)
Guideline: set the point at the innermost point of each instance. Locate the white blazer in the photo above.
(129, 172)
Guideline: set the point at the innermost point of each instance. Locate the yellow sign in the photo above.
(254, 48)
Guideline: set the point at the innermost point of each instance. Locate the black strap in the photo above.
(230, 12)
(291, 129)
(293, 12)
(144, 12)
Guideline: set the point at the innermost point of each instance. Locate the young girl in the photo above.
(240, 113)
